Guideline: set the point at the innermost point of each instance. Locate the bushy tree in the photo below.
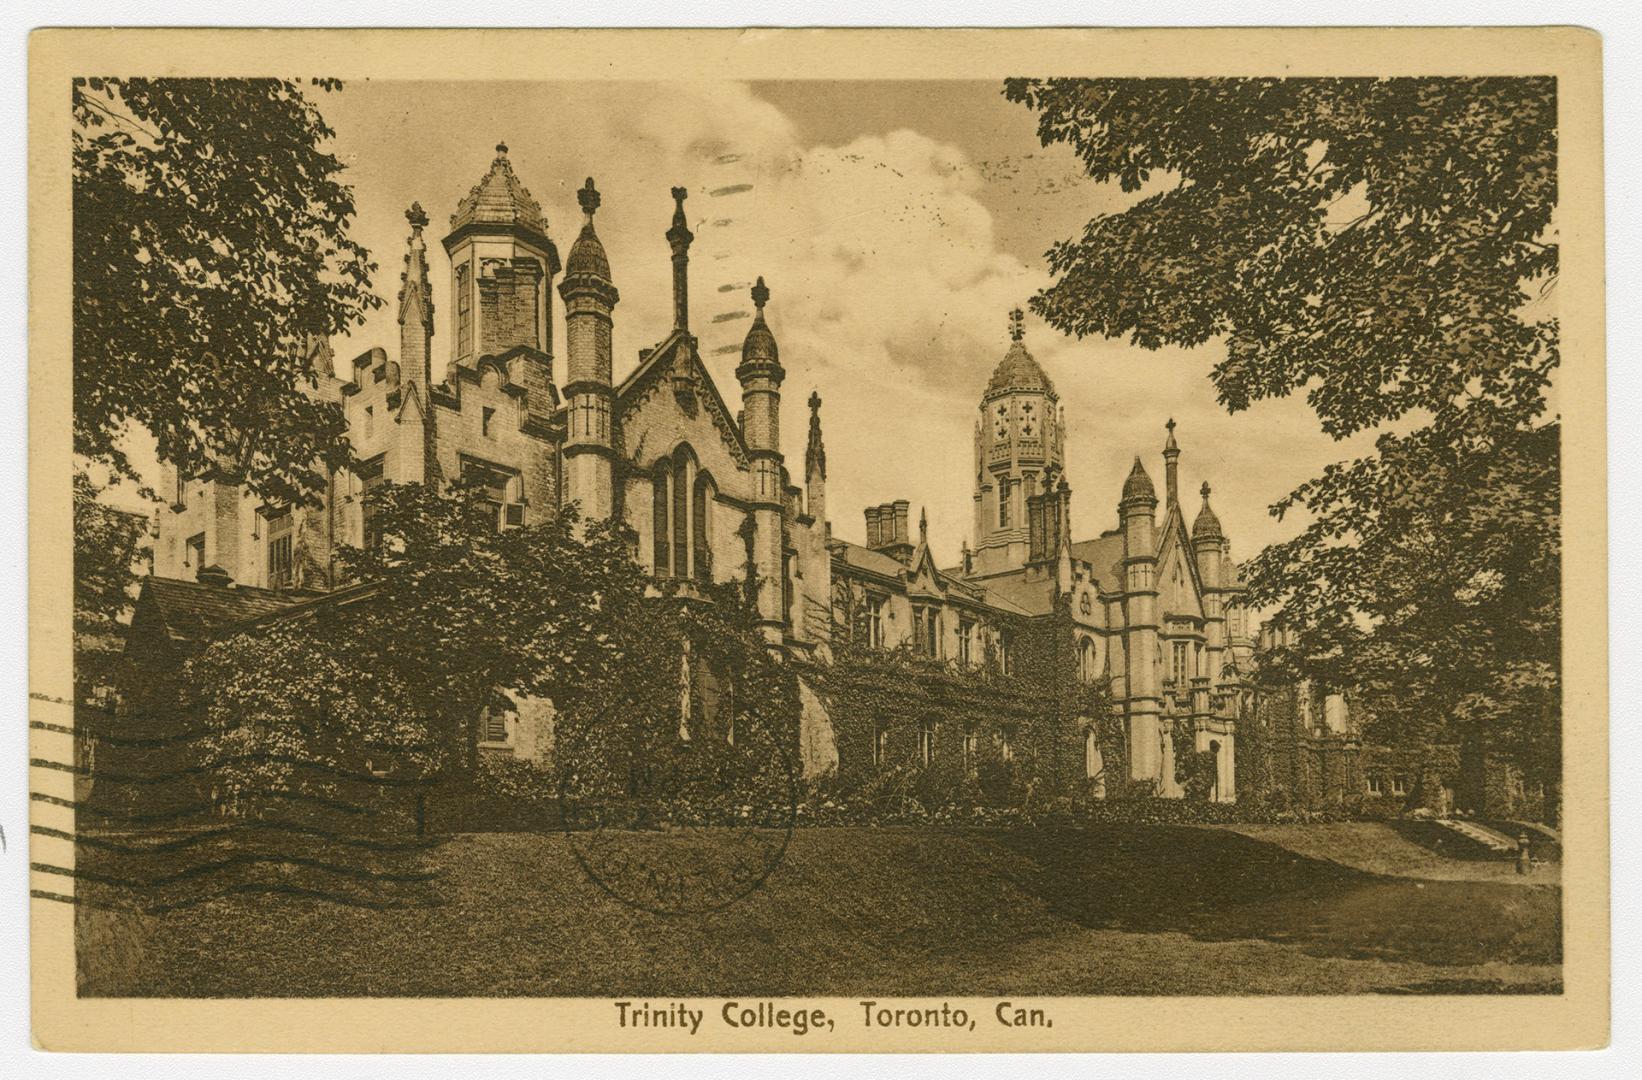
(107, 545)
(210, 243)
(1372, 243)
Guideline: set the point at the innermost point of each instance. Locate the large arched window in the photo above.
(701, 526)
(1088, 660)
(683, 459)
(661, 532)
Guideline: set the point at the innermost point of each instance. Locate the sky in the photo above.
(896, 224)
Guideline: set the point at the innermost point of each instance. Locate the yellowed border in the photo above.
(1576, 1019)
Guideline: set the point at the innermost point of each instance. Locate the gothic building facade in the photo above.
(1153, 606)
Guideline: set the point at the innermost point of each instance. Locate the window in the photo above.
(683, 458)
(486, 415)
(880, 742)
(971, 747)
(193, 554)
(464, 312)
(1093, 766)
(1006, 645)
(1006, 744)
(660, 530)
(370, 480)
(1375, 785)
(700, 501)
(926, 741)
(494, 484)
(1004, 488)
(966, 642)
(182, 491)
(1399, 783)
(1180, 671)
(1088, 661)
(875, 621)
(370, 420)
(279, 550)
(926, 630)
(493, 726)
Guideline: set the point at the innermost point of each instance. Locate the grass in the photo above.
(910, 911)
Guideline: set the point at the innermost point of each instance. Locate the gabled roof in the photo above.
(194, 611)
(655, 365)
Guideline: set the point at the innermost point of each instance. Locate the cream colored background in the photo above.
(1578, 1018)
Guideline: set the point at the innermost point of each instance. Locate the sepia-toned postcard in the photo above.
(817, 540)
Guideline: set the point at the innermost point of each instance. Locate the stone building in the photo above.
(1152, 606)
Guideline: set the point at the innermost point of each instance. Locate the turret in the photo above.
(760, 374)
(502, 267)
(415, 306)
(1209, 546)
(589, 297)
(1017, 444)
(1137, 509)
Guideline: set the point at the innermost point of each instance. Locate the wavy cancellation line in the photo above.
(237, 828)
(202, 808)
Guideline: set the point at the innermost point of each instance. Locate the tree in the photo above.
(210, 246)
(1372, 242)
(107, 545)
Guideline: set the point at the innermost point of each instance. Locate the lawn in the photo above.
(910, 911)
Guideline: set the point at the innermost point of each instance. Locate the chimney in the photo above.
(678, 238)
(872, 527)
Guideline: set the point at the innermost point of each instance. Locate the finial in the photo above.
(1170, 425)
(588, 198)
(1170, 446)
(501, 149)
(815, 401)
(761, 293)
(923, 525)
(1205, 493)
(1016, 328)
(679, 195)
(417, 217)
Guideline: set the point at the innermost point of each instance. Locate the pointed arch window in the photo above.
(683, 459)
(464, 312)
(661, 531)
(700, 527)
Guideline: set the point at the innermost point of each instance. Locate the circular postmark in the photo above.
(683, 828)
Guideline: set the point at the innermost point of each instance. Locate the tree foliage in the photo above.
(1373, 243)
(210, 243)
(107, 545)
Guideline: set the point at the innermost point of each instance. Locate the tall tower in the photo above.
(1020, 435)
(589, 297)
(502, 266)
(760, 374)
(1137, 510)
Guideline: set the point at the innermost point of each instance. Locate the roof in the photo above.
(1104, 555)
(1018, 371)
(1207, 526)
(194, 611)
(1139, 484)
(873, 562)
(587, 255)
(500, 199)
(759, 346)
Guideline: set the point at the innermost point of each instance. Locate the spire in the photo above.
(1138, 487)
(759, 347)
(815, 454)
(587, 255)
(1171, 465)
(923, 526)
(415, 303)
(678, 239)
(1207, 525)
